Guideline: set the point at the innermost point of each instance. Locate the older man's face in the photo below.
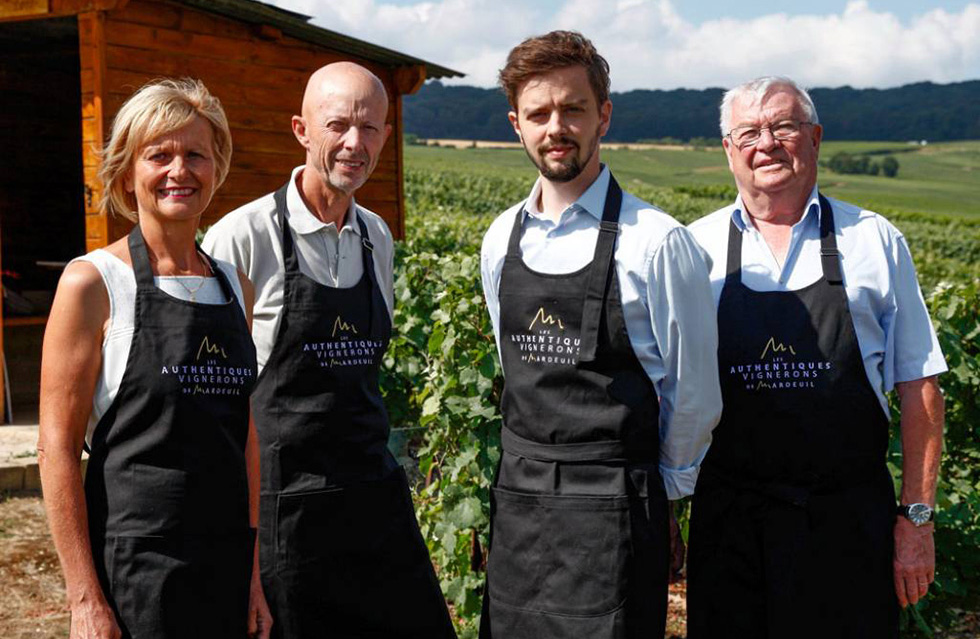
(772, 166)
(346, 133)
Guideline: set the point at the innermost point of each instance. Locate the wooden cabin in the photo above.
(66, 66)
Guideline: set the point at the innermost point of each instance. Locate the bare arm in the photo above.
(922, 442)
(70, 364)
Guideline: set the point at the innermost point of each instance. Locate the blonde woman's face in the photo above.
(173, 176)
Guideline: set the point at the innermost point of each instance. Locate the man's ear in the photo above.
(605, 117)
(817, 137)
(729, 149)
(514, 122)
(299, 130)
(388, 130)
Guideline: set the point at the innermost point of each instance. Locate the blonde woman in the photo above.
(148, 361)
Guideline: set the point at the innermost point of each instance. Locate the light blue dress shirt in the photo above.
(894, 332)
(666, 300)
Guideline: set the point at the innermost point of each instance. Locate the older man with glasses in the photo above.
(795, 531)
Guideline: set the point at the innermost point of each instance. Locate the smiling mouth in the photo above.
(180, 191)
(351, 164)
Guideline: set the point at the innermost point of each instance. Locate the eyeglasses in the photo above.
(745, 136)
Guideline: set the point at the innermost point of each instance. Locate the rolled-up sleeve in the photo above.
(683, 318)
(912, 349)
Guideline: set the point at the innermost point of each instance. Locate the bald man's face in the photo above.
(343, 130)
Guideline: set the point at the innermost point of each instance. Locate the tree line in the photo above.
(921, 111)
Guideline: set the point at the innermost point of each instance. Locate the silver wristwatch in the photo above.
(918, 514)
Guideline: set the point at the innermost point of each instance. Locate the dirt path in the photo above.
(34, 593)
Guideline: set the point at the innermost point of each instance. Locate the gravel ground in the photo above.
(34, 593)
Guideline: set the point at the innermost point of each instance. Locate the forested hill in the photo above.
(922, 111)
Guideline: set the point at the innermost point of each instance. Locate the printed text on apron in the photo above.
(166, 486)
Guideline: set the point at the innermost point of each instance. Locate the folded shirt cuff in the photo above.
(679, 482)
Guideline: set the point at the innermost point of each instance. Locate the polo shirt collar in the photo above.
(302, 220)
(593, 200)
(742, 220)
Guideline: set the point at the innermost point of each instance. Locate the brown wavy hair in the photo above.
(551, 51)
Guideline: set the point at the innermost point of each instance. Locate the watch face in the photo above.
(919, 514)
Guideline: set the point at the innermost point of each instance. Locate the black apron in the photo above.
(341, 554)
(166, 487)
(791, 528)
(578, 542)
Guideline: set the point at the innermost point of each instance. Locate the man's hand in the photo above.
(259, 616)
(915, 561)
(677, 549)
(93, 620)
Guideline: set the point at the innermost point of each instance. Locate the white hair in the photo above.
(761, 88)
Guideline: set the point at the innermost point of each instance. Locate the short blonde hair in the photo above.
(157, 108)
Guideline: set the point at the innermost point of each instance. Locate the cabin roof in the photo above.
(298, 25)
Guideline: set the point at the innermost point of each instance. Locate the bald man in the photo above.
(340, 550)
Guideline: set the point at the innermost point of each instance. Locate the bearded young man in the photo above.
(604, 322)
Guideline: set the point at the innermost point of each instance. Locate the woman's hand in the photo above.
(259, 617)
(94, 620)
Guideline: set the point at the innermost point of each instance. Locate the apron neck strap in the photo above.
(733, 274)
(367, 258)
(602, 262)
(289, 259)
(829, 255)
(140, 258)
(514, 242)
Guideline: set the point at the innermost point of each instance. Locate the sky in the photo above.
(669, 44)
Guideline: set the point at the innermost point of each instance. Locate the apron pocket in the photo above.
(317, 402)
(559, 554)
(157, 498)
(149, 580)
(338, 528)
(192, 587)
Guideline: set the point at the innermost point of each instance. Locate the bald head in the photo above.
(343, 129)
(343, 80)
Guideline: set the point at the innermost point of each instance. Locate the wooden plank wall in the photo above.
(258, 75)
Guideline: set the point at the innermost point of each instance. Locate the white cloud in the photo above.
(649, 45)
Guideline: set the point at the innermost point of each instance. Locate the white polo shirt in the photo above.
(250, 237)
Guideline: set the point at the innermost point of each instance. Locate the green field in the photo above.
(442, 377)
(941, 178)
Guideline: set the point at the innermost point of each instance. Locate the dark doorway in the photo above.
(42, 215)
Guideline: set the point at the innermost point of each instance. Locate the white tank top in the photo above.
(120, 282)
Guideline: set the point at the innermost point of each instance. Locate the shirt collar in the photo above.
(592, 201)
(742, 220)
(302, 220)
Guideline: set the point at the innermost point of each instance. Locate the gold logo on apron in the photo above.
(207, 348)
(341, 325)
(776, 347)
(543, 318)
